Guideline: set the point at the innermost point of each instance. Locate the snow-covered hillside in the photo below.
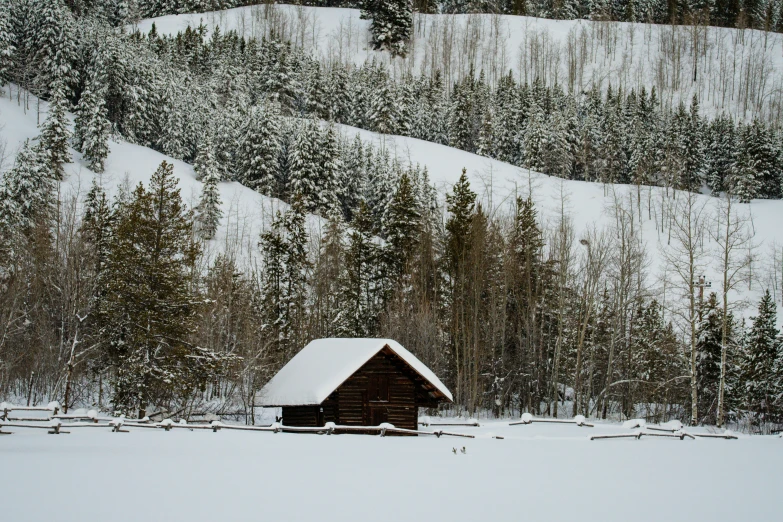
(734, 71)
(588, 205)
(539, 472)
(245, 211)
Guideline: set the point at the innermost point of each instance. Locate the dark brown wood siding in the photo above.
(380, 391)
(384, 389)
(310, 416)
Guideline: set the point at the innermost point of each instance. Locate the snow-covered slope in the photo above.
(589, 205)
(586, 204)
(245, 211)
(740, 72)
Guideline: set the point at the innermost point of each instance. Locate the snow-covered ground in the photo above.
(539, 472)
(739, 72)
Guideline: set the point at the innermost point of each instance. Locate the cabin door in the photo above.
(377, 399)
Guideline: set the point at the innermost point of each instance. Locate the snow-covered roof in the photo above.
(324, 364)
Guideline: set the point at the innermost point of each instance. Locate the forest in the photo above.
(117, 299)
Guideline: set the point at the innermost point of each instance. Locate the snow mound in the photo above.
(633, 424)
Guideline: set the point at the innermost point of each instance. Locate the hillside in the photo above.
(739, 72)
(245, 211)
(588, 205)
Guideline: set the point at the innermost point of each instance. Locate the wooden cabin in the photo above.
(353, 382)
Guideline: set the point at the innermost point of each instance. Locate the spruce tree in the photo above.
(96, 230)
(361, 288)
(305, 166)
(55, 134)
(52, 40)
(329, 279)
(708, 358)
(328, 183)
(392, 21)
(401, 226)
(208, 211)
(275, 322)
(762, 386)
(148, 310)
(6, 42)
(26, 191)
(92, 127)
(258, 154)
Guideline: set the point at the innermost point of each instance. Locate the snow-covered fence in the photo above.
(527, 418)
(6, 408)
(121, 425)
(672, 429)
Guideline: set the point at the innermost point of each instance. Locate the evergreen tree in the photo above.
(148, 309)
(53, 44)
(708, 358)
(460, 123)
(401, 227)
(392, 21)
(743, 182)
(273, 248)
(328, 182)
(96, 229)
(26, 192)
(762, 360)
(55, 135)
(306, 167)
(720, 153)
(6, 42)
(208, 211)
(329, 279)
(258, 155)
(352, 179)
(92, 127)
(360, 291)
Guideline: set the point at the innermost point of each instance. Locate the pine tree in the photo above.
(352, 179)
(382, 113)
(361, 288)
(96, 229)
(6, 42)
(743, 182)
(535, 139)
(53, 45)
(329, 279)
(26, 192)
(55, 134)
(708, 347)
(762, 360)
(328, 182)
(305, 166)
(258, 154)
(148, 311)
(208, 211)
(460, 123)
(720, 153)
(401, 226)
(92, 127)
(392, 21)
(273, 248)
(297, 267)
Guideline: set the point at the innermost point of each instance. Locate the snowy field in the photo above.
(738, 72)
(539, 472)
